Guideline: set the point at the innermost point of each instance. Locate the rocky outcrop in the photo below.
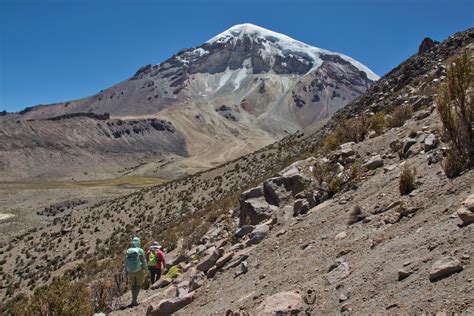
(426, 45)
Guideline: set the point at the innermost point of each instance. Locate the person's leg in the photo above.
(152, 274)
(132, 276)
(140, 276)
(158, 274)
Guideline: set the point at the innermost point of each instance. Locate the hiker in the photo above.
(135, 268)
(156, 261)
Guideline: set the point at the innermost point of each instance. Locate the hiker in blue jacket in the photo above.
(135, 268)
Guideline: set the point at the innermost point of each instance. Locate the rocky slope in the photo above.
(246, 87)
(409, 253)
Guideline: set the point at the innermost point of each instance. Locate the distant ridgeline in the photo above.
(101, 117)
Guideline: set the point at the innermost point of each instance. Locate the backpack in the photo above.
(153, 258)
(132, 260)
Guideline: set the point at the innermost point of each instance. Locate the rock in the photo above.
(224, 259)
(469, 203)
(162, 282)
(466, 211)
(283, 303)
(426, 45)
(389, 168)
(346, 149)
(422, 114)
(444, 267)
(465, 215)
(374, 162)
(236, 261)
(196, 281)
(430, 142)
(244, 230)
(343, 298)
(182, 289)
(222, 243)
(169, 306)
(206, 263)
(340, 236)
(258, 234)
(244, 268)
(279, 189)
(407, 143)
(255, 210)
(396, 145)
(212, 272)
(403, 273)
(338, 271)
(300, 206)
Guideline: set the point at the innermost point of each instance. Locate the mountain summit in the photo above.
(246, 86)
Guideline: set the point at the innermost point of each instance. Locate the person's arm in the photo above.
(144, 265)
(161, 255)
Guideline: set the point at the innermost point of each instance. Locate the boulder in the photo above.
(182, 289)
(396, 145)
(426, 45)
(206, 263)
(301, 206)
(244, 230)
(169, 306)
(444, 267)
(196, 281)
(346, 149)
(255, 210)
(407, 143)
(258, 234)
(430, 142)
(162, 282)
(279, 189)
(224, 259)
(466, 211)
(283, 303)
(374, 162)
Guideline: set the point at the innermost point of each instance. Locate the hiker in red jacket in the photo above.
(155, 259)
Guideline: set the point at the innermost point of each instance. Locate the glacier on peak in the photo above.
(277, 43)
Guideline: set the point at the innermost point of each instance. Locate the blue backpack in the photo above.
(132, 260)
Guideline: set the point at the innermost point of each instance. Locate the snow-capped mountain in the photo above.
(247, 86)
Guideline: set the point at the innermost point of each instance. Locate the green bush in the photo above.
(456, 108)
(172, 272)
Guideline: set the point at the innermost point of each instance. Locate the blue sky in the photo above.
(59, 50)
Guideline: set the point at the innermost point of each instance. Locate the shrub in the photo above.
(334, 186)
(355, 215)
(456, 109)
(62, 297)
(453, 164)
(407, 180)
(399, 116)
(172, 272)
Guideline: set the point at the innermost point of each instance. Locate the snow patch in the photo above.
(275, 43)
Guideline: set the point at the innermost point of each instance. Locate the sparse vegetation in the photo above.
(407, 180)
(456, 108)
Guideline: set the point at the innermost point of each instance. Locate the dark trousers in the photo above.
(155, 274)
